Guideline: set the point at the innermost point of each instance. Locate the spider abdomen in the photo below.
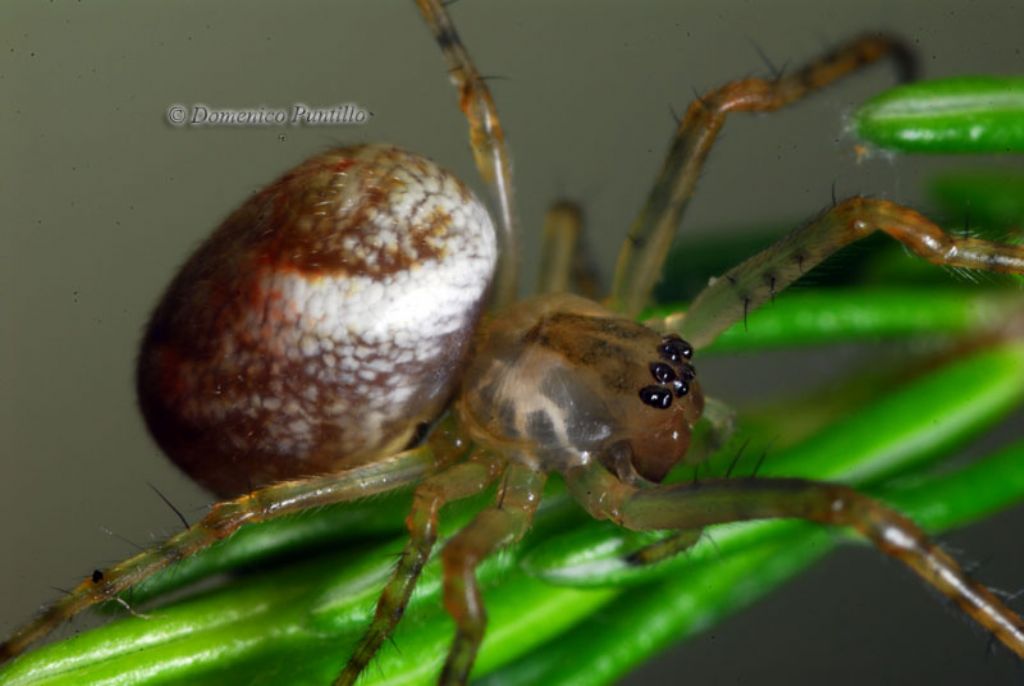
(320, 323)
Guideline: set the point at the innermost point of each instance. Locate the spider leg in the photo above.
(223, 520)
(493, 528)
(731, 297)
(460, 481)
(585, 278)
(662, 550)
(486, 138)
(643, 253)
(565, 265)
(563, 224)
(716, 427)
(690, 506)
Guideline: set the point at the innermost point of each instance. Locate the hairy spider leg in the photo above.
(486, 137)
(643, 253)
(463, 480)
(224, 518)
(731, 297)
(491, 529)
(692, 506)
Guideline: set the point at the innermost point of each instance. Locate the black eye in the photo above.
(689, 373)
(662, 373)
(675, 349)
(656, 396)
(681, 388)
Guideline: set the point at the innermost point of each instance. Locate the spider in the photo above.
(677, 401)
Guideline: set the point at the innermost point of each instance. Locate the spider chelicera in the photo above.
(603, 422)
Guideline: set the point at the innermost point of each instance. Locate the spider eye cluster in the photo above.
(673, 373)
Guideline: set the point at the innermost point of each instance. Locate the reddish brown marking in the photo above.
(237, 402)
(172, 382)
(343, 166)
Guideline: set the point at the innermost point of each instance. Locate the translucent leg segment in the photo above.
(565, 262)
(224, 519)
(491, 529)
(460, 481)
(563, 224)
(731, 297)
(486, 138)
(662, 550)
(643, 253)
(692, 506)
(716, 427)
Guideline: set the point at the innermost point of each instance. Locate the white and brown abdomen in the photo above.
(321, 322)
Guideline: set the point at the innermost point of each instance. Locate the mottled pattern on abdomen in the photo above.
(325, 319)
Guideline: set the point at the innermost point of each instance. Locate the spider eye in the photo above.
(680, 388)
(662, 373)
(671, 380)
(675, 349)
(656, 396)
(658, 440)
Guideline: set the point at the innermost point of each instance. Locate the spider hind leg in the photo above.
(225, 518)
(486, 138)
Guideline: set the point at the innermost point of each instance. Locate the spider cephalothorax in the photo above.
(569, 381)
(337, 313)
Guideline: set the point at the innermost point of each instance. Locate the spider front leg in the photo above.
(643, 253)
(493, 528)
(692, 506)
(223, 520)
(460, 481)
(731, 297)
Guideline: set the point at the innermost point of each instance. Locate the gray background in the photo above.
(101, 200)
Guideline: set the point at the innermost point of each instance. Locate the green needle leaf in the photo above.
(974, 114)
(296, 624)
